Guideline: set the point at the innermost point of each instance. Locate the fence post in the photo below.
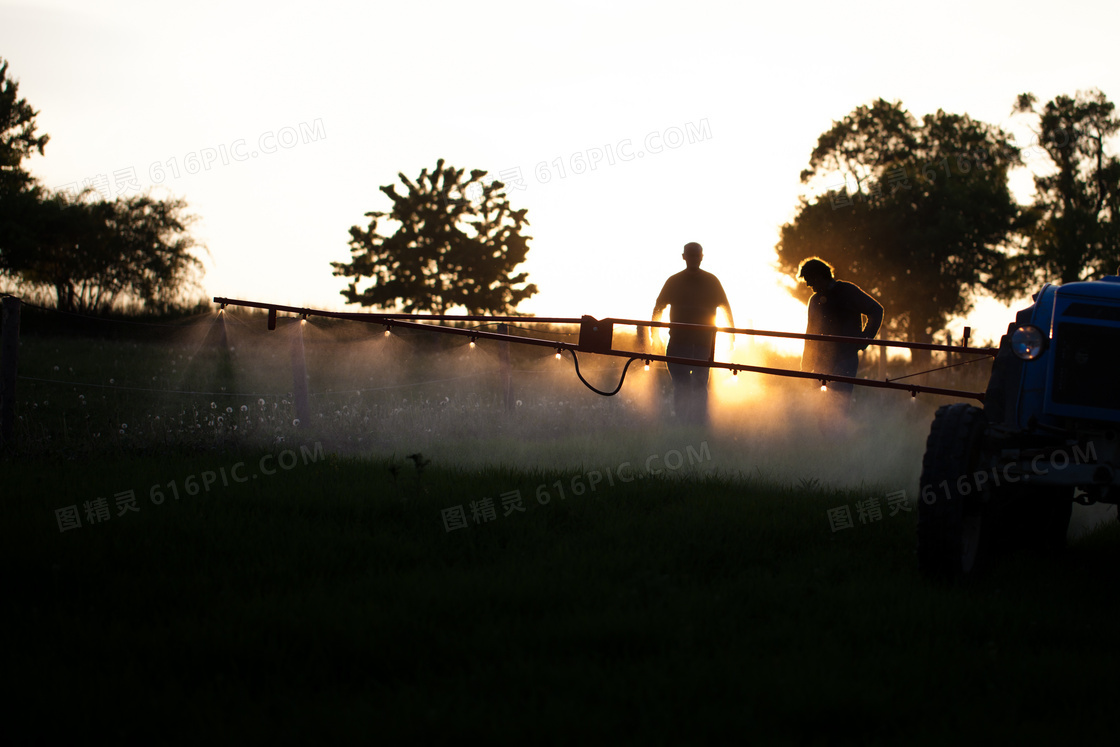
(504, 365)
(9, 358)
(299, 376)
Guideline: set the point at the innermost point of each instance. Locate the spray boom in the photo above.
(597, 336)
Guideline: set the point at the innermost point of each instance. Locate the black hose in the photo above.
(598, 391)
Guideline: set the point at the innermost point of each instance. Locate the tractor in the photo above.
(1003, 478)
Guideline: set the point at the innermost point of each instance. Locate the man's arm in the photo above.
(871, 309)
(723, 303)
(659, 307)
(726, 306)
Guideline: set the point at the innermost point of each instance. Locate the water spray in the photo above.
(596, 337)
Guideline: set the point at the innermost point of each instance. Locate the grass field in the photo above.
(662, 585)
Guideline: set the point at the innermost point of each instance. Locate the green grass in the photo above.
(329, 601)
(318, 595)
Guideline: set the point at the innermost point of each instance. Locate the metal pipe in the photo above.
(403, 320)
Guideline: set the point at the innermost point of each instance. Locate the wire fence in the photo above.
(223, 378)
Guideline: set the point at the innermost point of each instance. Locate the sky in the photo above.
(279, 121)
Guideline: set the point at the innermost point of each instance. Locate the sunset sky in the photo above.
(293, 114)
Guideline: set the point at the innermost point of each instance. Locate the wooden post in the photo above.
(506, 371)
(223, 340)
(299, 376)
(9, 358)
(225, 358)
(950, 359)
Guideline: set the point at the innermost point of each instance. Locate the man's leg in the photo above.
(700, 376)
(838, 399)
(681, 386)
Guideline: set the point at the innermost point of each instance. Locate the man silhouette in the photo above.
(693, 296)
(837, 307)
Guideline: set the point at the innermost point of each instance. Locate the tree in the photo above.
(1075, 232)
(89, 253)
(19, 193)
(93, 253)
(448, 249)
(17, 135)
(917, 213)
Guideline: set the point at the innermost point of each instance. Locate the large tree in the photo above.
(916, 213)
(1075, 234)
(17, 135)
(92, 254)
(89, 253)
(456, 243)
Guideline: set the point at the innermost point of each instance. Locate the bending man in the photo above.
(837, 307)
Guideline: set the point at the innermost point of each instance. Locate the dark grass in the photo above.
(327, 602)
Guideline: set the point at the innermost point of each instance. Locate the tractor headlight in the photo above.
(1028, 342)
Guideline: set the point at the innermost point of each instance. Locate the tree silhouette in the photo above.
(1075, 232)
(456, 244)
(17, 135)
(917, 213)
(89, 253)
(94, 253)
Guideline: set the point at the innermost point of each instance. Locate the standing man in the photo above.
(693, 296)
(837, 307)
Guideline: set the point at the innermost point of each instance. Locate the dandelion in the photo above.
(124, 425)
(229, 409)
(112, 381)
(261, 401)
(295, 422)
(244, 408)
(213, 405)
(56, 368)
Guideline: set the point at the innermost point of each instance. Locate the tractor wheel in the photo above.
(955, 532)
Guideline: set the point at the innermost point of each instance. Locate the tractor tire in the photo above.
(956, 536)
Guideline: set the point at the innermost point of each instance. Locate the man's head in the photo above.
(693, 254)
(816, 273)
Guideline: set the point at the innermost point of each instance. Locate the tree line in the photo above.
(90, 254)
(921, 215)
(918, 212)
